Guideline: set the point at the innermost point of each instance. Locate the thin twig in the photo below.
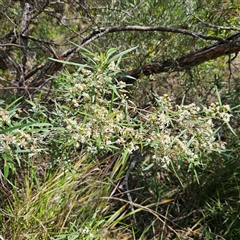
(136, 156)
(102, 31)
(216, 26)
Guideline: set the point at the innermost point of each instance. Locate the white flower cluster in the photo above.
(4, 117)
(102, 123)
(85, 232)
(172, 132)
(15, 139)
(218, 111)
(20, 141)
(185, 132)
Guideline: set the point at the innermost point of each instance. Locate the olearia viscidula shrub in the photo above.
(103, 118)
(93, 110)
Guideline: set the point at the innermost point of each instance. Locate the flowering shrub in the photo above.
(99, 116)
(105, 119)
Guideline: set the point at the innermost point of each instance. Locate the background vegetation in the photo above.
(119, 119)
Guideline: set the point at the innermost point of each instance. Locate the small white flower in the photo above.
(111, 66)
(86, 96)
(86, 72)
(4, 148)
(108, 142)
(75, 103)
(121, 84)
(79, 87)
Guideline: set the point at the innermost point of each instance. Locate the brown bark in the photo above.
(47, 71)
(26, 20)
(230, 46)
(223, 47)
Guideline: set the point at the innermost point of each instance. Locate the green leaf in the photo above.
(13, 103)
(85, 50)
(71, 63)
(231, 129)
(121, 54)
(218, 96)
(148, 167)
(25, 125)
(6, 171)
(114, 88)
(73, 236)
(109, 53)
(112, 115)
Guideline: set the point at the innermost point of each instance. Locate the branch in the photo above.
(216, 26)
(26, 20)
(102, 31)
(97, 33)
(213, 51)
(229, 46)
(49, 69)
